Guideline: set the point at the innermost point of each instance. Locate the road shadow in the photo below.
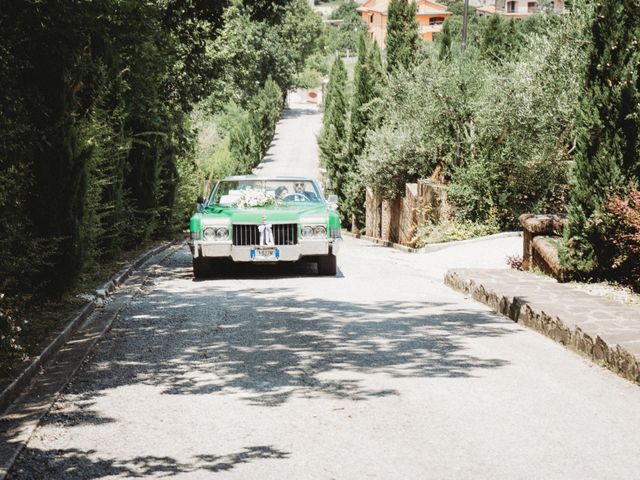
(75, 464)
(264, 345)
(298, 112)
(224, 269)
(272, 344)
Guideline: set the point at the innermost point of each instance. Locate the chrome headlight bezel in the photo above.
(306, 231)
(222, 234)
(313, 232)
(215, 233)
(320, 231)
(208, 234)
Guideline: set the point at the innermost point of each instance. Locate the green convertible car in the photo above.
(253, 219)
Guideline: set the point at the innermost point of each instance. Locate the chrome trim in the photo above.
(288, 253)
(247, 234)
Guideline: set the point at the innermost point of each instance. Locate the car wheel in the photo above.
(201, 267)
(327, 265)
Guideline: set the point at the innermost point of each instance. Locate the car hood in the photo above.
(288, 213)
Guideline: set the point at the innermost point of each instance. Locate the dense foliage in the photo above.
(620, 222)
(497, 124)
(607, 160)
(93, 108)
(402, 40)
(104, 108)
(333, 139)
(247, 51)
(346, 124)
(531, 111)
(343, 37)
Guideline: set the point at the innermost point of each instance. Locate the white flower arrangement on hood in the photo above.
(255, 198)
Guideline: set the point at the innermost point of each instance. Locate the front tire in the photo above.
(327, 265)
(201, 267)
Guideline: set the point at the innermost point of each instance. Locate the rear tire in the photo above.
(201, 267)
(327, 265)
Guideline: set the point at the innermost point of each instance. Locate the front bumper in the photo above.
(288, 253)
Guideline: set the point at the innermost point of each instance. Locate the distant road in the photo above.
(294, 150)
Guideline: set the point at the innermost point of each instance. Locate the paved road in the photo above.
(294, 150)
(380, 372)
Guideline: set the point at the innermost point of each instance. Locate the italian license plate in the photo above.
(267, 253)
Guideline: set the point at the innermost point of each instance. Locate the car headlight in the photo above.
(208, 234)
(314, 231)
(217, 234)
(222, 233)
(320, 231)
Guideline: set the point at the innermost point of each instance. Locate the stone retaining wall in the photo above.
(539, 243)
(612, 356)
(373, 221)
(396, 220)
(409, 214)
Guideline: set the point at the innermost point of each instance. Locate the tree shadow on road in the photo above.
(298, 112)
(270, 345)
(266, 345)
(75, 464)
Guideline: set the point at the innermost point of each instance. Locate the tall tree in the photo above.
(368, 84)
(607, 160)
(403, 39)
(377, 74)
(492, 42)
(359, 117)
(445, 41)
(333, 138)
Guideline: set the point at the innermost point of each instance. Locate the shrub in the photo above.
(501, 129)
(426, 112)
(451, 230)
(606, 158)
(621, 226)
(515, 261)
(10, 327)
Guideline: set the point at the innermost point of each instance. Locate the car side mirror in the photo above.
(200, 204)
(332, 199)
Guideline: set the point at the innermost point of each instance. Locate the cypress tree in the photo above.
(368, 85)
(376, 70)
(511, 40)
(402, 39)
(607, 158)
(361, 95)
(491, 45)
(333, 139)
(445, 41)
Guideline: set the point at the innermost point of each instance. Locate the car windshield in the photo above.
(256, 193)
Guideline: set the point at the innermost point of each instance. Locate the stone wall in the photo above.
(373, 221)
(391, 220)
(396, 220)
(540, 236)
(434, 200)
(408, 215)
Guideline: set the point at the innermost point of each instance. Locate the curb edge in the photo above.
(433, 247)
(33, 365)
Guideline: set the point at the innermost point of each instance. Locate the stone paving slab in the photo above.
(603, 330)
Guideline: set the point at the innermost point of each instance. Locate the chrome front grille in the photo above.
(283, 234)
